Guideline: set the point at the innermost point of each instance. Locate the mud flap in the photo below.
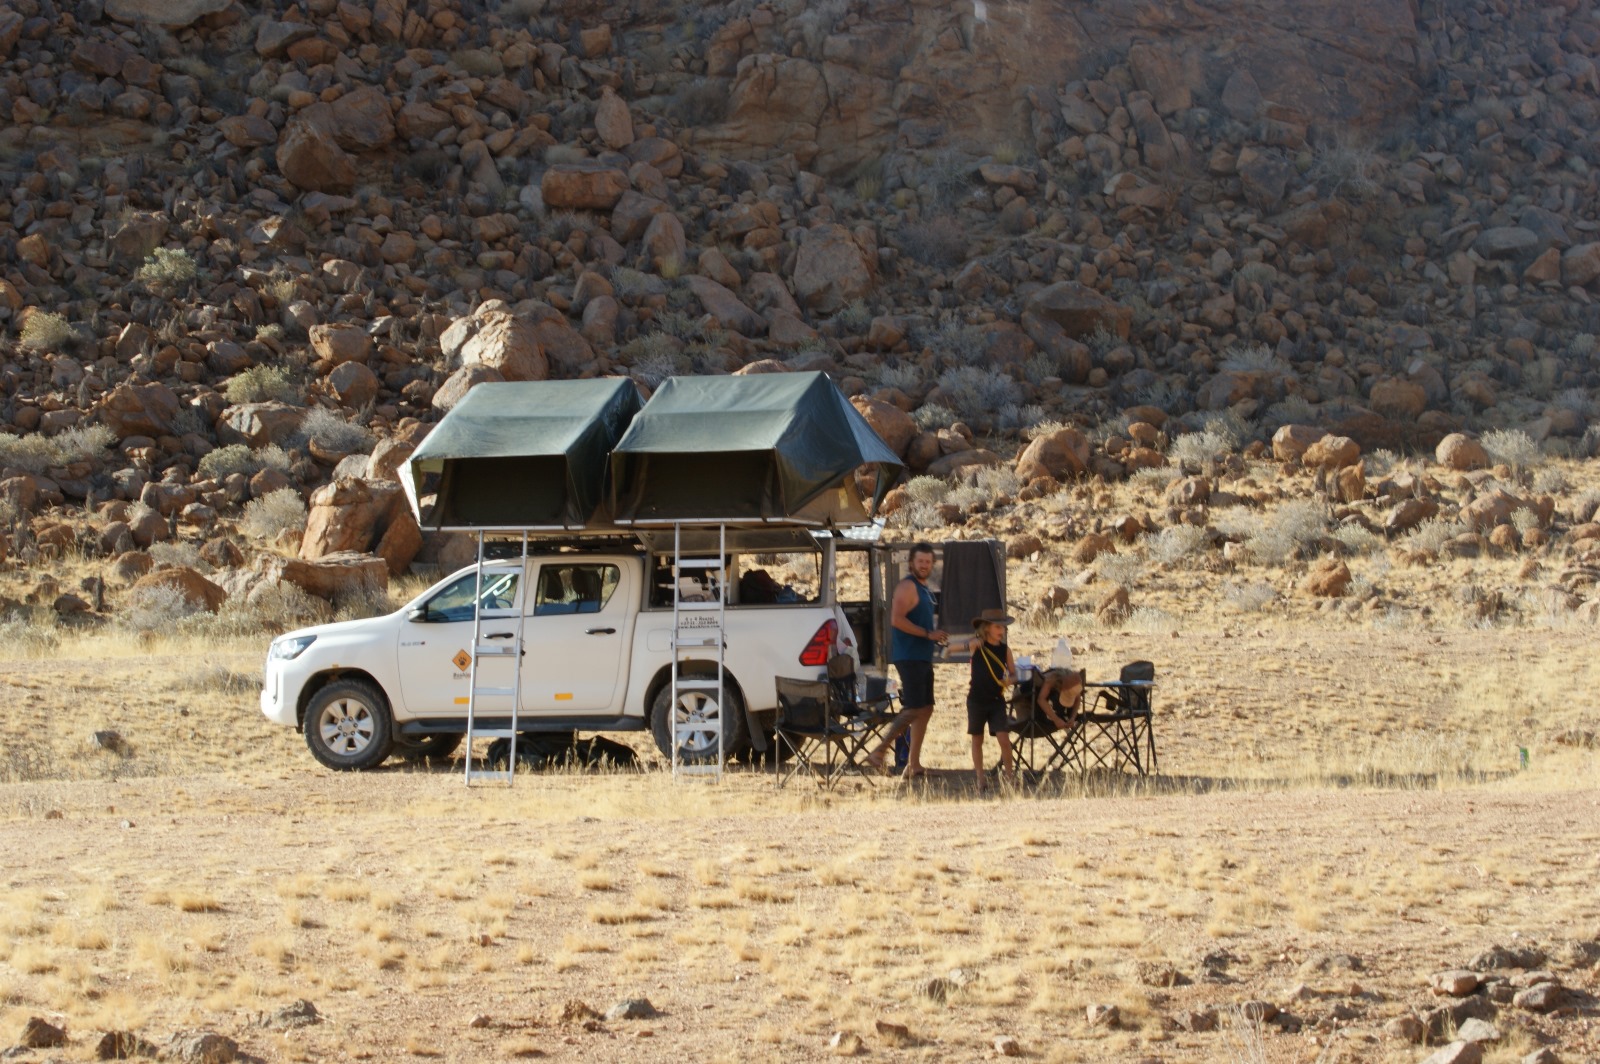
(753, 728)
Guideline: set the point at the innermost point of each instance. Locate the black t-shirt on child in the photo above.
(988, 669)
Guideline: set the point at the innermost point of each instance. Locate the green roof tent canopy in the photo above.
(765, 447)
(524, 454)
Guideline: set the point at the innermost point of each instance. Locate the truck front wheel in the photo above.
(707, 710)
(348, 727)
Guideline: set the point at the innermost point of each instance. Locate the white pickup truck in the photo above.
(597, 654)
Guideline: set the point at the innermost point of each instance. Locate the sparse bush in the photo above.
(1164, 395)
(1040, 367)
(271, 333)
(1150, 620)
(856, 317)
(1154, 478)
(906, 377)
(1251, 597)
(267, 517)
(934, 416)
(947, 176)
(167, 270)
(1252, 358)
(699, 102)
(261, 384)
(333, 433)
(1524, 520)
(283, 290)
(1287, 532)
(1432, 534)
(964, 344)
(22, 636)
(940, 241)
(1514, 448)
(985, 485)
(1349, 166)
(239, 458)
(44, 331)
(925, 489)
(1198, 448)
(34, 453)
(1551, 480)
(1582, 346)
(1291, 410)
(1125, 570)
(151, 610)
(975, 393)
(1357, 540)
(168, 553)
(1177, 542)
(657, 362)
(631, 284)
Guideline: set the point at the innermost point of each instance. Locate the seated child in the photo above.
(1058, 695)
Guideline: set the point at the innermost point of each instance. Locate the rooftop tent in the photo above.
(767, 447)
(523, 454)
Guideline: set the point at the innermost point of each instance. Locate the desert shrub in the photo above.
(151, 610)
(906, 377)
(283, 290)
(1155, 478)
(856, 317)
(946, 176)
(926, 489)
(1170, 396)
(1177, 542)
(1124, 569)
(973, 392)
(917, 516)
(1040, 367)
(1287, 532)
(270, 333)
(1582, 346)
(1291, 410)
(1551, 480)
(1432, 534)
(1348, 166)
(333, 433)
(940, 241)
(1252, 358)
(654, 363)
(44, 331)
(28, 636)
(34, 453)
(630, 284)
(239, 458)
(985, 485)
(1248, 597)
(167, 270)
(1198, 448)
(699, 102)
(1513, 447)
(1043, 427)
(1150, 620)
(1356, 540)
(963, 344)
(266, 517)
(1586, 505)
(934, 416)
(1262, 273)
(261, 384)
(178, 552)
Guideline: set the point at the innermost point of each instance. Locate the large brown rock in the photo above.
(400, 542)
(174, 13)
(895, 426)
(353, 384)
(567, 353)
(1328, 578)
(507, 344)
(1289, 443)
(199, 592)
(258, 424)
(139, 410)
(583, 186)
(1580, 265)
(724, 306)
(612, 122)
(1061, 454)
(362, 120)
(309, 155)
(831, 269)
(1492, 508)
(1398, 398)
(248, 131)
(665, 247)
(1461, 453)
(1079, 310)
(339, 342)
(331, 577)
(350, 514)
(459, 383)
(1332, 452)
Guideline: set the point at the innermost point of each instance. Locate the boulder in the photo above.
(1079, 310)
(400, 541)
(1492, 508)
(1460, 452)
(172, 13)
(258, 424)
(361, 120)
(341, 342)
(1332, 452)
(1580, 265)
(895, 426)
(507, 344)
(353, 384)
(831, 270)
(566, 351)
(1329, 578)
(1408, 514)
(199, 592)
(1290, 442)
(330, 577)
(665, 247)
(724, 306)
(1398, 398)
(1506, 242)
(248, 131)
(309, 155)
(612, 121)
(350, 514)
(583, 186)
(139, 410)
(1061, 454)
(459, 383)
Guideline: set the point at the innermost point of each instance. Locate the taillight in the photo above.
(820, 648)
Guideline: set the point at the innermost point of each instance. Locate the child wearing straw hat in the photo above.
(993, 671)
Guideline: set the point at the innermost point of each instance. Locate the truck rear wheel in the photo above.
(347, 726)
(711, 709)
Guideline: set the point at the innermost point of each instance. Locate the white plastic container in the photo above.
(1061, 656)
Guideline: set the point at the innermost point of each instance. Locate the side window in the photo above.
(454, 600)
(575, 588)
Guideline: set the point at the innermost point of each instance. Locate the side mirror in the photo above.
(417, 613)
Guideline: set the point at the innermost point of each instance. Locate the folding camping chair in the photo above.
(1117, 731)
(863, 711)
(807, 728)
(1030, 726)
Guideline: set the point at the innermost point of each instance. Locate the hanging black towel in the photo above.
(974, 580)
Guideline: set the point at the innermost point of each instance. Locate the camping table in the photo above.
(1111, 729)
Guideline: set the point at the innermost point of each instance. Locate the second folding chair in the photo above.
(808, 739)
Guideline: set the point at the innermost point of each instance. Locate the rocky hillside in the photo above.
(246, 245)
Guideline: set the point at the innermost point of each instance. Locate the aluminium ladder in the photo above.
(481, 649)
(696, 628)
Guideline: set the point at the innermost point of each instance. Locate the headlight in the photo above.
(291, 648)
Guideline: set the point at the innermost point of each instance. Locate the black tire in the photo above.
(348, 727)
(432, 745)
(700, 705)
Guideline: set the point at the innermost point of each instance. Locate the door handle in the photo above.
(600, 631)
(497, 635)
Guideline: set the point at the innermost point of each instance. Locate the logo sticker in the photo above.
(461, 660)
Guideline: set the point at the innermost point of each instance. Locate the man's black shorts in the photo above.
(981, 712)
(916, 683)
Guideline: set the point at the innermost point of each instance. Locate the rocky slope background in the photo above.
(251, 253)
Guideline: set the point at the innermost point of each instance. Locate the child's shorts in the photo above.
(992, 713)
